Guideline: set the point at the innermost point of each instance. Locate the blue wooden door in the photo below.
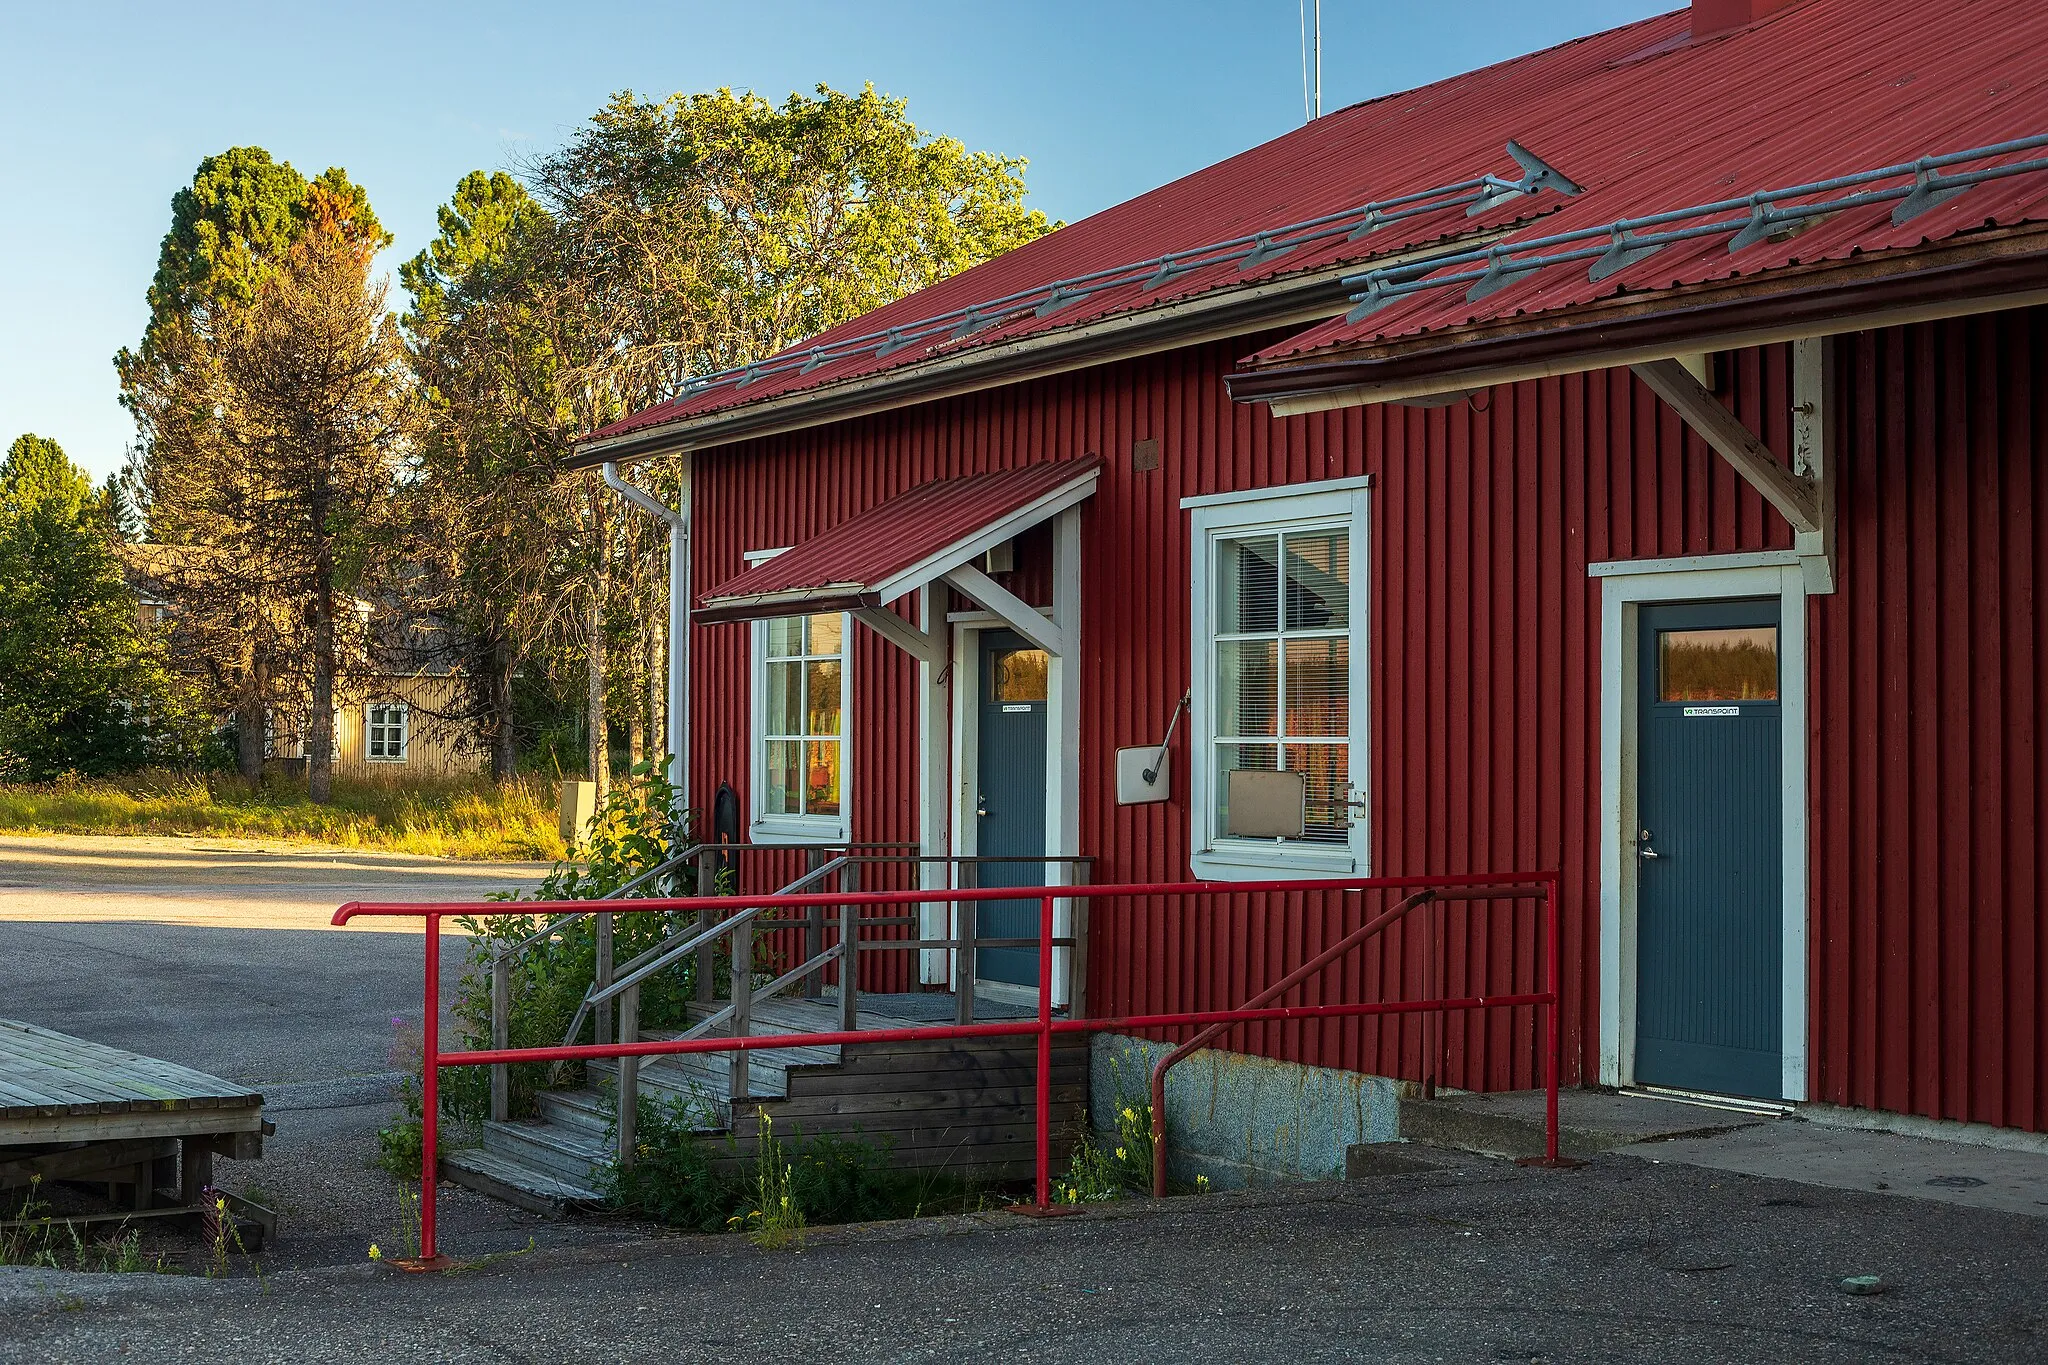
(1709, 889)
(1010, 814)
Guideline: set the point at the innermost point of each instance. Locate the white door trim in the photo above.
(1062, 737)
(1623, 589)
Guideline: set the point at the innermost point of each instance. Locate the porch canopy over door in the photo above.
(931, 534)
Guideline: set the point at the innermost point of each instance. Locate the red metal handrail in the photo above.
(1371, 929)
(1043, 1027)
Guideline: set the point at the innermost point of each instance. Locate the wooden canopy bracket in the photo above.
(921, 645)
(1795, 494)
(1016, 613)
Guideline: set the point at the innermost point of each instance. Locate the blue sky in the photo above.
(106, 109)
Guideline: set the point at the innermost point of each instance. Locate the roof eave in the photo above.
(1293, 300)
(1983, 275)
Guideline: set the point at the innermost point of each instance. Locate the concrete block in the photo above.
(1245, 1121)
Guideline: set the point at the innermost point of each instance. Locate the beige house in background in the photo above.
(393, 732)
(394, 729)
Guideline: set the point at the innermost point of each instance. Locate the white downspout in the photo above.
(678, 621)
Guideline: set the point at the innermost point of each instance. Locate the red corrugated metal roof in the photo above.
(1639, 115)
(1822, 90)
(854, 562)
(1399, 144)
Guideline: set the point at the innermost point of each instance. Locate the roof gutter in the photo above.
(1893, 290)
(1214, 315)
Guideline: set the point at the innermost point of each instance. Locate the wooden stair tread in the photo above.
(504, 1177)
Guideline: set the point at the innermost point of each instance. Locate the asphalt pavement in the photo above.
(1620, 1261)
(219, 956)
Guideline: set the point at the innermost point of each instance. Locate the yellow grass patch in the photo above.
(467, 817)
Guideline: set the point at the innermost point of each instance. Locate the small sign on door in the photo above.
(1713, 710)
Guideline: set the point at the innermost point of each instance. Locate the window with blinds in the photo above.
(800, 719)
(1278, 677)
(1283, 668)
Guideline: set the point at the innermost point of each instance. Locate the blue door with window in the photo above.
(1010, 810)
(1710, 876)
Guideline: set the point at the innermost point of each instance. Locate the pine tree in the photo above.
(82, 687)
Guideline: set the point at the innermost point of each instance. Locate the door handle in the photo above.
(1643, 849)
(981, 806)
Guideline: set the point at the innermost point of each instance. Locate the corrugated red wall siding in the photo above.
(1928, 952)
(1485, 659)
(1484, 751)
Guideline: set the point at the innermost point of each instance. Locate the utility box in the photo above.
(579, 808)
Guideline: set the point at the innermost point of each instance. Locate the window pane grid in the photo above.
(1280, 637)
(384, 733)
(801, 724)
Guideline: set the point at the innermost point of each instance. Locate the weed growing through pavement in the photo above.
(776, 1222)
(406, 1236)
(1110, 1167)
(224, 1236)
(409, 1207)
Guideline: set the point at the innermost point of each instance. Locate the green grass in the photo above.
(467, 817)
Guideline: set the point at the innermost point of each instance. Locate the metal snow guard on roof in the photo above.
(900, 545)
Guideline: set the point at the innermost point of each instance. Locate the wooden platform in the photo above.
(56, 1088)
(76, 1110)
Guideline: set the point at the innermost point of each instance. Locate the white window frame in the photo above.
(1300, 507)
(763, 827)
(370, 728)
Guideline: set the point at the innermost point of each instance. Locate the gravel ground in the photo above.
(218, 954)
(1621, 1261)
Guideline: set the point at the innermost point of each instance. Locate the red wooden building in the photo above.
(1622, 459)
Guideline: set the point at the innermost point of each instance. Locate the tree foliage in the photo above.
(83, 689)
(487, 345)
(273, 402)
(710, 230)
(281, 463)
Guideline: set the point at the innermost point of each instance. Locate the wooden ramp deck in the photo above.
(77, 1110)
(964, 1106)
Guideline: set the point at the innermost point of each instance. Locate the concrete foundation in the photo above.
(1244, 1121)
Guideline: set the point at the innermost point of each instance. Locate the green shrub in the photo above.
(685, 1179)
(673, 1179)
(634, 833)
(398, 1148)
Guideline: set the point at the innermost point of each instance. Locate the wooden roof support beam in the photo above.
(1016, 613)
(921, 645)
(1813, 455)
(1792, 494)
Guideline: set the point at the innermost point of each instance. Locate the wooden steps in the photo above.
(964, 1106)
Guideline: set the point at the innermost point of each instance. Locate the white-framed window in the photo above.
(1280, 624)
(385, 732)
(802, 697)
